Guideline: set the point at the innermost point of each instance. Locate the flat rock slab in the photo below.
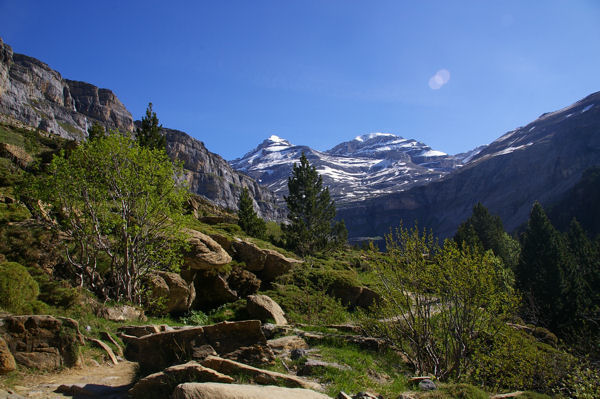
(259, 376)
(289, 342)
(237, 391)
(161, 385)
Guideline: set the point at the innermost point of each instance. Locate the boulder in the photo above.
(223, 241)
(121, 313)
(140, 331)
(42, 342)
(427, 385)
(264, 308)
(276, 265)
(171, 291)
(256, 375)
(240, 340)
(213, 390)
(243, 282)
(157, 351)
(7, 360)
(249, 253)
(204, 253)
(160, 385)
(353, 296)
(288, 343)
(212, 290)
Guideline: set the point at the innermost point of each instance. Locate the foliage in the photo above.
(541, 263)
(195, 318)
(486, 231)
(436, 300)
(13, 213)
(516, 359)
(248, 220)
(18, 290)
(311, 213)
(582, 382)
(95, 131)
(456, 391)
(114, 198)
(148, 134)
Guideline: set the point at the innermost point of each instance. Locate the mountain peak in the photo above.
(370, 136)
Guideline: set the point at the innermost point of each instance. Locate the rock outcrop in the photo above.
(170, 292)
(35, 95)
(7, 360)
(256, 375)
(204, 253)
(263, 308)
(160, 385)
(42, 342)
(237, 391)
(267, 264)
(237, 340)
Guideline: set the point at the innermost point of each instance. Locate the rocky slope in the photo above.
(537, 162)
(33, 95)
(368, 166)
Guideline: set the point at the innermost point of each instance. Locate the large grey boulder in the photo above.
(237, 391)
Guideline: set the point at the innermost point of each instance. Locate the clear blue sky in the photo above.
(232, 73)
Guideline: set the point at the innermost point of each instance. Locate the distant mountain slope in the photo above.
(368, 166)
(35, 96)
(540, 161)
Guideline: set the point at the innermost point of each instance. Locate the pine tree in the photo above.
(148, 135)
(311, 212)
(485, 231)
(540, 269)
(248, 220)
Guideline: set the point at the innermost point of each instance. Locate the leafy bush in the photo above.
(516, 359)
(195, 317)
(457, 391)
(18, 290)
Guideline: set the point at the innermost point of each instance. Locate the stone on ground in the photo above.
(7, 360)
(264, 308)
(160, 385)
(205, 253)
(237, 391)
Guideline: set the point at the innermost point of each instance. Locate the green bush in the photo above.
(457, 391)
(18, 290)
(516, 359)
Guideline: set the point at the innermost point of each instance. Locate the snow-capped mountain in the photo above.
(368, 166)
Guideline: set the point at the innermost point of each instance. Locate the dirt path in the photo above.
(105, 381)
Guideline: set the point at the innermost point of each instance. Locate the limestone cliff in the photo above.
(33, 94)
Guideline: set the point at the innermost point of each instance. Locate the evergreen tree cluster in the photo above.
(559, 276)
(149, 135)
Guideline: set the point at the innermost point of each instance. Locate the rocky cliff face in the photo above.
(35, 95)
(538, 162)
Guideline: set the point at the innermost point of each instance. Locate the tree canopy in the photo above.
(148, 135)
(120, 206)
(248, 220)
(311, 212)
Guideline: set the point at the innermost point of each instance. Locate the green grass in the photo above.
(375, 372)
(13, 213)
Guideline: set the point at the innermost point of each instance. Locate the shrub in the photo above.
(18, 290)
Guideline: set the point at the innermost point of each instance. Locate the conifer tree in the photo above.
(148, 135)
(311, 212)
(485, 231)
(248, 220)
(540, 269)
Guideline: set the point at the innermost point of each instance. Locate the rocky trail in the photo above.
(92, 380)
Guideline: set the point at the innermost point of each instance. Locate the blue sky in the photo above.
(232, 73)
